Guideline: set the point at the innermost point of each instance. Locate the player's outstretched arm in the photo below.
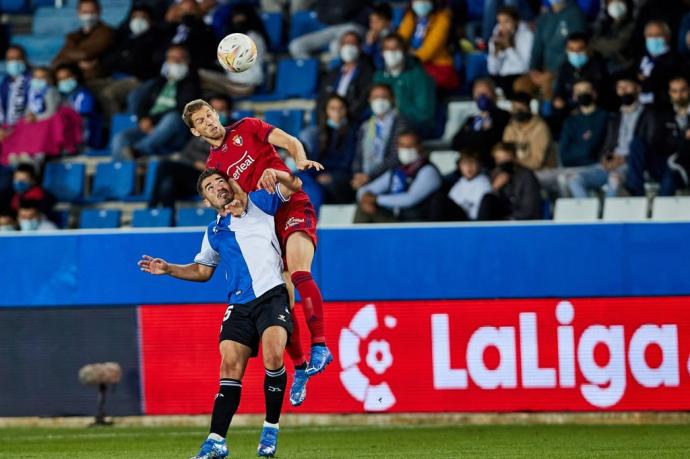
(192, 272)
(294, 147)
(271, 178)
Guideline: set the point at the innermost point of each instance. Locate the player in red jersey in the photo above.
(244, 151)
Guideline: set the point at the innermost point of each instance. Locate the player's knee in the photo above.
(273, 355)
(231, 370)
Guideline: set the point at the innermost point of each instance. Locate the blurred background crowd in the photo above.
(422, 110)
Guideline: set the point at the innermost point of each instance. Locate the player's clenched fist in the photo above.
(153, 265)
(268, 180)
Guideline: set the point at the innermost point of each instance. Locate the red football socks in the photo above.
(294, 347)
(312, 304)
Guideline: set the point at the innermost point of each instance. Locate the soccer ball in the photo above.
(236, 52)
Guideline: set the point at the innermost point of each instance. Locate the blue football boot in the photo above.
(298, 390)
(320, 358)
(268, 443)
(213, 449)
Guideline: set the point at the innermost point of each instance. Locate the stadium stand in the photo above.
(152, 218)
(576, 210)
(625, 209)
(99, 218)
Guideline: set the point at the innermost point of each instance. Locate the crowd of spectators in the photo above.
(582, 97)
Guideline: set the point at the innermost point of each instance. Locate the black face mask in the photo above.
(628, 99)
(585, 99)
(508, 167)
(188, 19)
(522, 117)
(241, 26)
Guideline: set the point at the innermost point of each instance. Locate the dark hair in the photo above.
(95, 2)
(139, 7)
(253, 23)
(678, 77)
(42, 68)
(73, 69)
(28, 169)
(223, 97)
(354, 34)
(30, 204)
(397, 37)
(470, 154)
(325, 133)
(583, 80)
(8, 212)
(384, 86)
(508, 147)
(488, 81)
(19, 48)
(578, 36)
(182, 47)
(410, 132)
(522, 97)
(203, 176)
(191, 108)
(384, 10)
(509, 11)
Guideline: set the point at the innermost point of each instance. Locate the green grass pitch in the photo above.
(524, 441)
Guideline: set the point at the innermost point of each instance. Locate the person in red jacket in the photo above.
(26, 187)
(243, 151)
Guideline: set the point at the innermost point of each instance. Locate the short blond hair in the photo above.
(191, 108)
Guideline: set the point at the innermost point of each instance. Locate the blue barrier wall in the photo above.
(374, 263)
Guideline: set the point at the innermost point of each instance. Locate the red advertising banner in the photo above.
(432, 356)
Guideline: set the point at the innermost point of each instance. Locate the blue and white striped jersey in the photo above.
(247, 247)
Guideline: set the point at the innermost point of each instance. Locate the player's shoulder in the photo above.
(248, 122)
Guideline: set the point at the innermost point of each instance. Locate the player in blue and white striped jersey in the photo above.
(243, 242)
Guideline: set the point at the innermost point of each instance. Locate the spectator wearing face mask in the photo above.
(529, 134)
(30, 217)
(663, 161)
(160, 129)
(176, 174)
(8, 221)
(404, 192)
(510, 46)
(581, 140)
(375, 150)
(78, 97)
(26, 186)
(86, 46)
(462, 201)
(658, 65)
(332, 143)
(613, 32)
(483, 130)
(350, 79)
(426, 29)
(380, 24)
(515, 194)
(631, 128)
(184, 26)
(414, 89)
(580, 64)
(136, 40)
(48, 129)
(14, 89)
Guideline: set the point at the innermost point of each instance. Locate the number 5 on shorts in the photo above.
(227, 313)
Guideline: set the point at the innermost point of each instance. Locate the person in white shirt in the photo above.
(31, 218)
(510, 48)
(462, 201)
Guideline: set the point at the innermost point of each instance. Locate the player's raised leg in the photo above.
(299, 253)
(298, 390)
(273, 342)
(234, 362)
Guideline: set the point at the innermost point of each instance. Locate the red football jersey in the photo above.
(246, 153)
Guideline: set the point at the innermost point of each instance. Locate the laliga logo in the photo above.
(376, 397)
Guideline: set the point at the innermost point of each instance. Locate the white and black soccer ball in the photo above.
(237, 52)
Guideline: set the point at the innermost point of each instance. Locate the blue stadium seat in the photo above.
(195, 216)
(15, 6)
(475, 10)
(290, 121)
(113, 180)
(475, 67)
(121, 122)
(99, 218)
(273, 22)
(302, 23)
(294, 78)
(239, 114)
(398, 14)
(40, 49)
(149, 183)
(55, 21)
(152, 218)
(64, 180)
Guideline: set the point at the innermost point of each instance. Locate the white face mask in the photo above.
(407, 156)
(393, 59)
(349, 53)
(88, 21)
(174, 71)
(380, 106)
(617, 9)
(139, 26)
